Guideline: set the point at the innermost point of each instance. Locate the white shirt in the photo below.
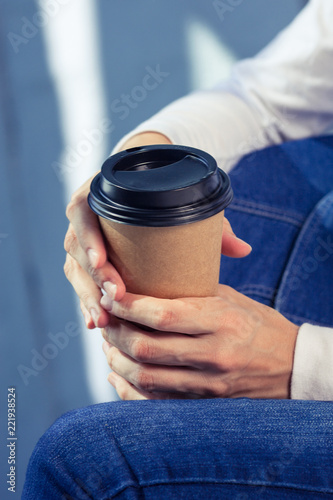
(284, 93)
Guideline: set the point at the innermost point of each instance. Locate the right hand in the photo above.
(86, 266)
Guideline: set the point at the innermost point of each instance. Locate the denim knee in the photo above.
(79, 457)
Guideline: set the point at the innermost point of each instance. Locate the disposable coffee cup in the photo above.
(161, 210)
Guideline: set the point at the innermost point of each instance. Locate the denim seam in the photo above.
(280, 218)
(267, 208)
(267, 211)
(299, 251)
(226, 482)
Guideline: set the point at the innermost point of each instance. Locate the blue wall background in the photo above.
(64, 66)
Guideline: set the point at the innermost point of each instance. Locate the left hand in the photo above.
(223, 346)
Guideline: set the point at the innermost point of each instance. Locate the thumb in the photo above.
(232, 246)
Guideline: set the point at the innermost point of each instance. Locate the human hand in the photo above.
(87, 267)
(223, 346)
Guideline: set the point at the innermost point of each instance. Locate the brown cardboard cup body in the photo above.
(167, 262)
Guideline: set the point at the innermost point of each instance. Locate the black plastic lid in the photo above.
(159, 186)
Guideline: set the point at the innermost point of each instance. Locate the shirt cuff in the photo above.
(312, 376)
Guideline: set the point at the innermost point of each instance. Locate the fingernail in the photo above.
(93, 257)
(111, 289)
(95, 315)
(107, 303)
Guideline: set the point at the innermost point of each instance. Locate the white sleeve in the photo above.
(312, 376)
(285, 92)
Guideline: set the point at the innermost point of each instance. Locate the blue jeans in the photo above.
(223, 448)
(195, 449)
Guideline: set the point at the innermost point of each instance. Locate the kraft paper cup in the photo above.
(161, 210)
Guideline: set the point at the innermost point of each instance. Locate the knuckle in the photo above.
(216, 387)
(229, 361)
(70, 242)
(165, 319)
(225, 362)
(141, 349)
(85, 297)
(68, 267)
(216, 359)
(144, 380)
